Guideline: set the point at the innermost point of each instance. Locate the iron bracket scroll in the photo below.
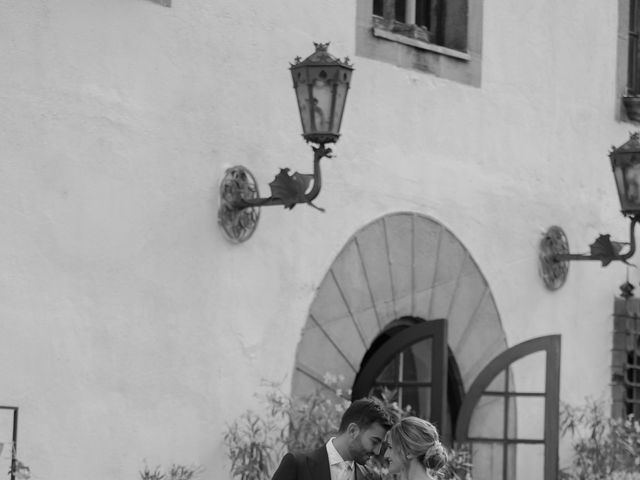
(554, 254)
(240, 200)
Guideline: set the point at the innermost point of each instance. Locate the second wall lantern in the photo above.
(554, 248)
(321, 82)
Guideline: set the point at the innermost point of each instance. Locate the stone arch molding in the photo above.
(402, 264)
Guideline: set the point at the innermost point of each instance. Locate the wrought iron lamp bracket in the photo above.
(240, 199)
(554, 255)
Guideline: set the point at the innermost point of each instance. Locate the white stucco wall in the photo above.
(134, 331)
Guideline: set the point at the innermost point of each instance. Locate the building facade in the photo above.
(135, 332)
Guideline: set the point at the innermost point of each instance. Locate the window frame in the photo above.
(430, 32)
(14, 440)
(551, 344)
(633, 75)
(376, 38)
(434, 329)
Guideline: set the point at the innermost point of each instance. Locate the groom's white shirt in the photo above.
(338, 466)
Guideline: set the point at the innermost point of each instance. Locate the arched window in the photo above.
(510, 414)
(410, 359)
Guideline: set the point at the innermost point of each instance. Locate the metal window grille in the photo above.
(632, 378)
(631, 367)
(626, 357)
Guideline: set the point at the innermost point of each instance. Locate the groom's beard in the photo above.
(359, 454)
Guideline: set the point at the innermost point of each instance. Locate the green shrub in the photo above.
(604, 447)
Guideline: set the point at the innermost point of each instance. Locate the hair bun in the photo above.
(435, 457)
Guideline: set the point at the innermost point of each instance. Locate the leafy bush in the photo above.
(147, 474)
(604, 447)
(175, 472)
(253, 443)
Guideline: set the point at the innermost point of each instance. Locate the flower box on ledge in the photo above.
(415, 32)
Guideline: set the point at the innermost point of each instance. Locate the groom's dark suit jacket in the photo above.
(315, 466)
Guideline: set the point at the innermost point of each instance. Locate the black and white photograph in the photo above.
(319, 240)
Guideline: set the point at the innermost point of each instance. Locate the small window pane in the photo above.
(512, 420)
(497, 384)
(529, 373)
(377, 7)
(487, 420)
(417, 362)
(423, 13)
(390, 372)
(400, 10)
(417, 399)
(486, 459)
(527, 460)
(529, 416)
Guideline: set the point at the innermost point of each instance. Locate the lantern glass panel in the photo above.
(630, 192)
(303, 92)
(618, 174)
(341, 96)
(321, 103)
(626, 171)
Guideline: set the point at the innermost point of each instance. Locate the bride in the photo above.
(414, 451)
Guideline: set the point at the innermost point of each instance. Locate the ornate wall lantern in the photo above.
(321, 82)
(554, 247)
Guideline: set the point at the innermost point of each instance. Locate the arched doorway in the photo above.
(400, 265)
(405, 305)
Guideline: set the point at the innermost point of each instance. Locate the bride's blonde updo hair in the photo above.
(419, 438)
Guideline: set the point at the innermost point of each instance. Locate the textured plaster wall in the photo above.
(132, 330)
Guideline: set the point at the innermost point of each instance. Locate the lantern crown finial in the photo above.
(632, 145)
(321, 57)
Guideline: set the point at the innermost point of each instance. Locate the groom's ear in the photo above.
(353, 430)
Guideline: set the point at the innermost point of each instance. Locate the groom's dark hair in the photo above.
(365, 411)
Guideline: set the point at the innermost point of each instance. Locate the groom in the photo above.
(362, 430)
